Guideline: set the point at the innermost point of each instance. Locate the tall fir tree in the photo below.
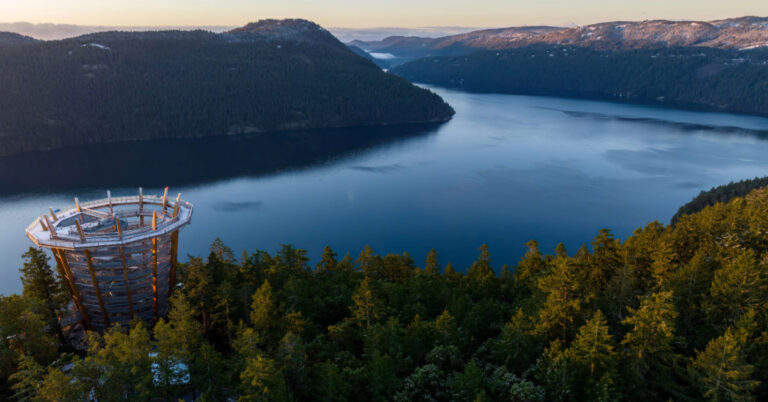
(366, 308)
(720, 370)
(563, 303)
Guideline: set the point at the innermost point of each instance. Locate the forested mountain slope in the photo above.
(9, 38)
(268, 76)
(712, 79)
(670, 313)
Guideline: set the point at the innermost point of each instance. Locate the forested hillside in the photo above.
(723, 194)
(670, 313)
(9, 38)
(714, 79)
(267, 76)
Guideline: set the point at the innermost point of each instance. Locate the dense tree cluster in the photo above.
(119, 86)
(723, 194)
(671, 313)
(696, 77)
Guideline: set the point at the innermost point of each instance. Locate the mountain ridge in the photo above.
(733, 33)
(12, 38)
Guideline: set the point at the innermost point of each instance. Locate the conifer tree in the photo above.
(651, 360)
(652, 326)
(23, 330)
(432, 264)
(346, 265)
(263, 310)
(58, 386)
(40, 283)
(366, 308)
(481, 270)
(664, 264)
(369, 262)
(530, 268)
(720, 370)
(330, 384)
(560, 250)
(328, 261)
(450, 274)
(592, 353)
(563, 303)
(741, 285)
(605, 260)
(445, 325)
(118, 364)
(553, 370)
(199, 288)
(262, 379)
(26, 380)
(177, 341)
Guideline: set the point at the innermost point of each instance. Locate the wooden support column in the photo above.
(174, 247)
(51, 228)
(80, 230)
(165, 199)
(95, 283)
(61, 260)
(125, 268)
(109, 200)
(177, 206)
(53, 214)
(127, 285)
(141, 207)
(154, 269)
(174, 261)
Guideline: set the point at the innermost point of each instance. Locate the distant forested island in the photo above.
(670, 313)
(268, 76)
(692, 77)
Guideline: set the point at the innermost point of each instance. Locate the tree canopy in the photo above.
(670, 313)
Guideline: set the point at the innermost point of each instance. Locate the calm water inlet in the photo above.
(505, 170)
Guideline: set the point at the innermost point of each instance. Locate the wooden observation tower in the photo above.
(116, 255)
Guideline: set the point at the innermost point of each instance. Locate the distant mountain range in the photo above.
(272, 75)
(47, 31)
(736, 33)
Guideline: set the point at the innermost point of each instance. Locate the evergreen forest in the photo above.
(684, 77)
(674, 313)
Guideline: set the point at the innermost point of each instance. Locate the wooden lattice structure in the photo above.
(118, 256)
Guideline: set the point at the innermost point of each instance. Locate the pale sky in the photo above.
(364, 13)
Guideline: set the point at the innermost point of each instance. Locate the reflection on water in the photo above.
(189, 161)
(505, 170)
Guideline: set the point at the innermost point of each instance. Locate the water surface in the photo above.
(505, 170)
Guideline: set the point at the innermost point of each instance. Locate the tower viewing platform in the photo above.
(117, 256)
